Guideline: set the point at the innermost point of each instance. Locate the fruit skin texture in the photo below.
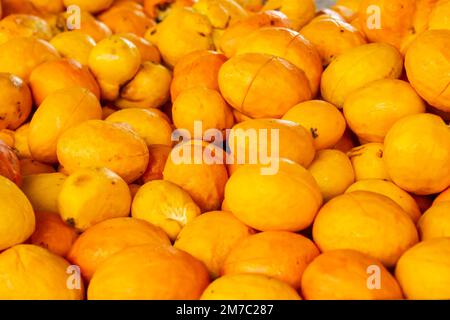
(249, 287)
(90, 196)
(89, 5)
(60, 111)
(289, 45)
(114, 61)
(285, 201)
(165, 205)
(417, 154)
(30, 166)
(343, 275)
(43, 189)
(74, 44)
(423, 271)
(23, 25)
(109, 237)
(427, 64)
(372, 110)
(444, 196)
(148, 50)
(244, 83)
(158, 155)
(183, 31)
(96, 143)
(9, 164)
(151, 124)
(17, 221)
(299, 12)
(16, 101)
(358, 67)
(201, 104)
(53, 233)
(277, 254)
(333, 172)
(368, 162)
(367, 222)
(332, 37)
(135, 93)
(204, 182)
(21, 141)
(435, 222)
(147, 272)
(390, 190)
(235, 35)
(41, 276)
(210, 238)
(324, 121)
(197, 69)
(293, 143)
(51, 76)
(19, 56)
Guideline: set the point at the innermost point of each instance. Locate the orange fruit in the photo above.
(158, 155)
(368, 162)
(285, 201)
(149, 272)
(367, 222)
(9, 164)
(276, 254)
(210, 238)
(435, 222)
(249, 287)
(345, 275)
(109, 237)
(16, 101)
(53, 234)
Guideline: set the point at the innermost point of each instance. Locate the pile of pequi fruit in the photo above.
(95, 204)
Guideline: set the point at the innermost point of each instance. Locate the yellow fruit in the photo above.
(93, 6)
(23, 25)
(285, 201)
(165, 205)
(427, 65)
(135, 94)
(278, 254)
(372, 110)
(43, 189)
(16, 101)
(42, 275)
(149, 272)
(17, 221)
(435, 222)
(199, 169)
(150, 124)
(263, 141)
(97, 143)
(299, 12)
(201, 104)
(60, 111)
(367, 222)
(149, 51)
(368, 162)
(109, 237)
(333, 172)
(262, 86)
(19, 56)
(90, 196)
(183, 31)
(210, 238)
(417, 154)
(424, 270)
(74, 44)
(21, 141)
(332, 37)
(324, 121)
(114, 61)
(289, 45)
(249, 287)
(444, 196)
(346, 275)
(390, 190)
(358, 67)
